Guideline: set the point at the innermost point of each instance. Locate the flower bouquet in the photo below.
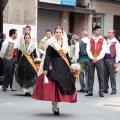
(76, 68)
(37, 63)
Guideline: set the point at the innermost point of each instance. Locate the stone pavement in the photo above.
(16, 106)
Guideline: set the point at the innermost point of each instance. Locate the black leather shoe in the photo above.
(27, 94)
(89, 94)
(86, 91)
(105, 91)
(101, 94)
(113, 92)
(56, 112)
(80, 90)
(5, 89)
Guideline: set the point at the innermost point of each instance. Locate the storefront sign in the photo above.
(61, 2)
(68, 2)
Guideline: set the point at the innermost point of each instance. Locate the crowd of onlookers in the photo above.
(94, 52)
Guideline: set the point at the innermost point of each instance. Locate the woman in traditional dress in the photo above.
(60, 85)
(26, 72)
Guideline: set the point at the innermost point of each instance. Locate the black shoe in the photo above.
(13, 90)
(5, 89)
(86, 91)
(89, 94)
(27, 94)
(105, 91)
(101, 94)
(80, 90)
(113, 92)
(56, 112)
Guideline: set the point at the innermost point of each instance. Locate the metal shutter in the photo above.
(47, 19)
(117, 25)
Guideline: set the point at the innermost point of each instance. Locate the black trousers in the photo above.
(99, 65)
(1, 67)
(9, 68)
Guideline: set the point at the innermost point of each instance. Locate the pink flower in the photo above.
(75, 67)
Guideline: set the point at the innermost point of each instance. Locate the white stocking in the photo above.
(55, 105)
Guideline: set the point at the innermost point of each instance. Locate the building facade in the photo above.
(70, 18)
(84, 16)
(45, 15)
(19, 13)
(107, 15)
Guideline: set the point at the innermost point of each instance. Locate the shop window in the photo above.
(116, 26)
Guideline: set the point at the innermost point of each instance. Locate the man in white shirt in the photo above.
(2, 38)
(96, 52)
(111, 60)
(7, 52)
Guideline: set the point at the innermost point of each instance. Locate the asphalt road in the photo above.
(16, 106)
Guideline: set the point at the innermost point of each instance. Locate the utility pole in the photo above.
(1, 16)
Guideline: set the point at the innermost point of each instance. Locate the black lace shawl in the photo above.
(60, 72)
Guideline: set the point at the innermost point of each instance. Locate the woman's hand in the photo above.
(45, 72)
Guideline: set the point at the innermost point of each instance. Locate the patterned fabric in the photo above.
(42, 44)
(9, 51)
(95, 49)
(113, 50)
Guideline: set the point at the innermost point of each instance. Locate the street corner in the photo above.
(112, 103)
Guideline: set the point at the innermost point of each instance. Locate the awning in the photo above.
(65, 8)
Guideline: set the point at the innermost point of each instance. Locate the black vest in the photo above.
(82, 47)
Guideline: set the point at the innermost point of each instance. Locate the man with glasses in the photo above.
(111, 60)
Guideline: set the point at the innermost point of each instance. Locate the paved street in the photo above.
(16, 106)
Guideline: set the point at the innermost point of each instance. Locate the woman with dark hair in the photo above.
(70, 41)
(26, 72)
(71, 45)
(59, 85)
